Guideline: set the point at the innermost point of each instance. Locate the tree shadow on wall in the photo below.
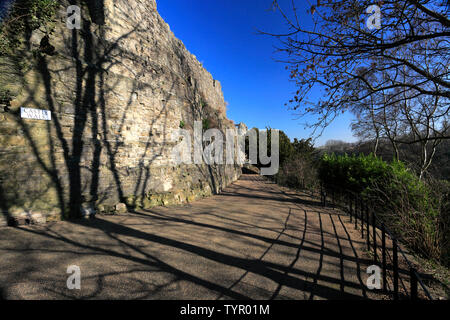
(78, 157)
(84, 137)
(198, 109)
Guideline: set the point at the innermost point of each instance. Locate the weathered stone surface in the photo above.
(36, 37)
(105, 209)
(38, 218)
(121, 208)
(116, 90)
(87, 210)
(3, 221)
(15, 221)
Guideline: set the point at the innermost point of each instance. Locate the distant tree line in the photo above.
(296, 160)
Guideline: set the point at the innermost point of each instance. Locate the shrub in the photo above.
(24, 16)
(354, 173)
(298, 173)
(297, 169)
(205, 124)
(413, 209)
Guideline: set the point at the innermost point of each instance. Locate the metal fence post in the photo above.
(374, 228)
(383, 254)
(332, 198)
(361, 209)
(395, 266)
(321, 193)
(356, 212)
(413, 283)
(350, 206)
(367, 227)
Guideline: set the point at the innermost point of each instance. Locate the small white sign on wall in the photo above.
(38, 114)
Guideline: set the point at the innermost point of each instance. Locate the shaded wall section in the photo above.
(116, 89)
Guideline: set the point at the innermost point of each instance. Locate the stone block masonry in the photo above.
(116, 89)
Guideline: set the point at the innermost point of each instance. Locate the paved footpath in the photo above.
(253, 241)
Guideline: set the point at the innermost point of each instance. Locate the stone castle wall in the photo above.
(116, 89)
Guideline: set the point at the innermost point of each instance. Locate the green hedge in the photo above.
(373, 177)
(354, 173)
(411, 208)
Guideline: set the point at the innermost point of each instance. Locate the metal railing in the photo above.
(374, 229)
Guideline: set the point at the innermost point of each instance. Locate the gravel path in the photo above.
(253, 241)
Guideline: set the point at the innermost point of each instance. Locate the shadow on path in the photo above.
(208, 245)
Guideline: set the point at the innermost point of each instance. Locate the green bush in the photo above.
(410, 207)
(354, 173)
(298, 172)
(297, 168)
(24, 16)
(205, 124)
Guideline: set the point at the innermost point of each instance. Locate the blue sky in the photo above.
(222, 34)
(4, 5)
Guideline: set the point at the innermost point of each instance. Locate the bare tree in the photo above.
(394, 78)
(367, 126)
(408, 53)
